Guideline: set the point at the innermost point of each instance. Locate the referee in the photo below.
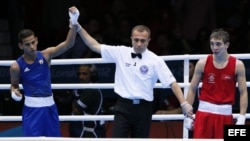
(137, 71)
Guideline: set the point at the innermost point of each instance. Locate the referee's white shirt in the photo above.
(135, 78)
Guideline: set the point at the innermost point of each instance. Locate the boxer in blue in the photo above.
(32, 70)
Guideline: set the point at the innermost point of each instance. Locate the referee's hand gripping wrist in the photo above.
(187, 109)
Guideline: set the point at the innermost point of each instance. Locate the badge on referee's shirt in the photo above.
(144, 69)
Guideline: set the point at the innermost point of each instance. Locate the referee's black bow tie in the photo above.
(133, 55)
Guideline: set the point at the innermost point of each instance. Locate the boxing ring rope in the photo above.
(183, 85)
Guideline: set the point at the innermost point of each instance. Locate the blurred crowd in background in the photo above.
(178, 26)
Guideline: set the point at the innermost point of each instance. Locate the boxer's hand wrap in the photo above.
(188, 123)
(241, 120)
(15, 97)
(74, 19)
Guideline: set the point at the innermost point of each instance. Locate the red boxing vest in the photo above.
(219, 85)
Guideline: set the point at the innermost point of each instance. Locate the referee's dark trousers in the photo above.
(132, 118)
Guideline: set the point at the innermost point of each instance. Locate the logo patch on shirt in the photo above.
(26, 69)
(144, 69)
(211, 78)
(226, 77)
(40, 61)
